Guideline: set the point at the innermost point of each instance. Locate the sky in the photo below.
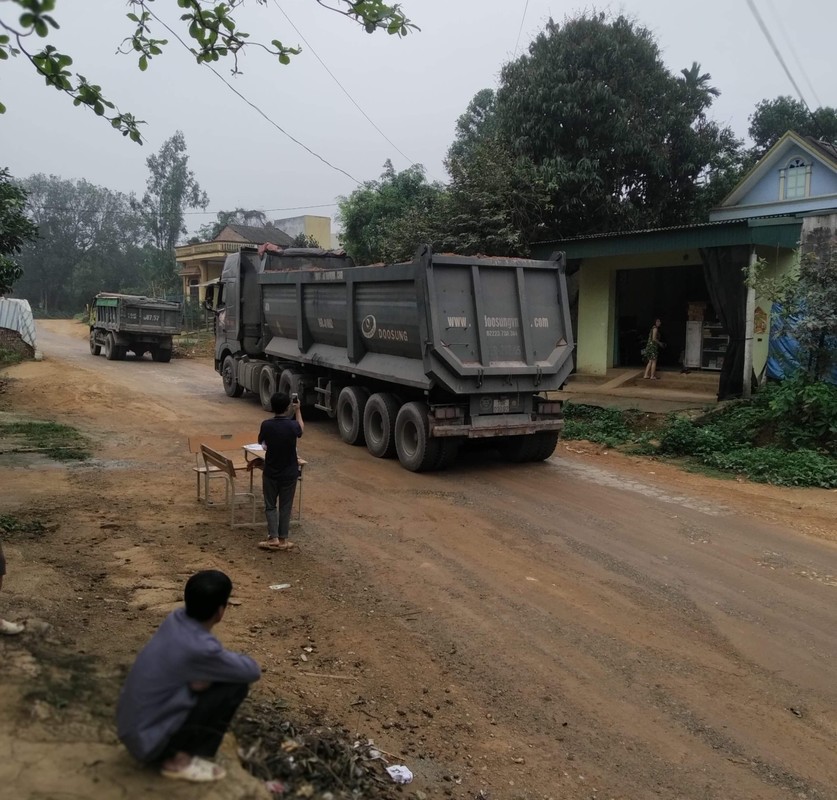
(413, 88)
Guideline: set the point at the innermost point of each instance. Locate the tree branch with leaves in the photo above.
(210, 26)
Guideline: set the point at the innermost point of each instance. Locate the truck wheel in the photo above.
(267, 386)
(417, 452)
(111, 350)
(351, 403)
(544, 445)
(95, 349)
(231, 385)
(379, 424)
(517, 449)
(289, 383)
(163, 356)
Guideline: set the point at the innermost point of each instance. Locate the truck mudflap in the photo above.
(495, 425)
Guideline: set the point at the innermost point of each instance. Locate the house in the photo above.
(692, 276)
(201, 264)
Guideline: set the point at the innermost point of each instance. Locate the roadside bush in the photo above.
(777, 466)
(607, 426)
(804, 413)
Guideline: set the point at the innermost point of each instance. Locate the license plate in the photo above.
(502, 406)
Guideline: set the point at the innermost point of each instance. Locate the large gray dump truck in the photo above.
(120, 323)
(412, 359)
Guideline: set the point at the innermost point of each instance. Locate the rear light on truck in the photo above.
(448, 412)
(554, 408)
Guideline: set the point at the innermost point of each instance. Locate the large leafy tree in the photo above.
(171, 189)
(619, 141)
(26, 28)
(380, 217)
(773, 118)
(89, 240)
(15, 230)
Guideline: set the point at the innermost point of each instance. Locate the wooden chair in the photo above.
(224, 467)
(229, 445)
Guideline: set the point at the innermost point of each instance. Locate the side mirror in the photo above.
(209, 298)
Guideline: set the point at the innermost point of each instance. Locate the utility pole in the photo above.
(749, 324)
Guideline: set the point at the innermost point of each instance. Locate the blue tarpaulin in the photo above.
(783, 351)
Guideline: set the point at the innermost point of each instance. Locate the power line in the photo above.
(776, 52)
(255, 107)
(343, 88)
(41, 207)
(520, 29)
(792, 51)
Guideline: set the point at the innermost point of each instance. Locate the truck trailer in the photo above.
(120, 323)
(412, 359)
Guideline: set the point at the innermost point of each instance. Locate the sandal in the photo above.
(198, 770)
(11, 628)
(276, 544)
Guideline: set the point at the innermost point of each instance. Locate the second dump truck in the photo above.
(412, 359)
(120, 323)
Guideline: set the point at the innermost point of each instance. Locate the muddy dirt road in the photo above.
(596, 626)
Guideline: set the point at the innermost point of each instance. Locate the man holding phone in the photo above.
(281, 468)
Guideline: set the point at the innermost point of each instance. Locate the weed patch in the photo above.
(52, 439)
(786, 435)
(14, 529)
(9, 357)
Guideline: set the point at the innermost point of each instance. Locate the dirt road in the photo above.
(596, 626)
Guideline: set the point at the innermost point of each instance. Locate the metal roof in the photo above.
(779, 231)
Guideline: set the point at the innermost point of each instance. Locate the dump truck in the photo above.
(411, 359)
(120, 323)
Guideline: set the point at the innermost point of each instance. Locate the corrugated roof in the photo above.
(256, 235)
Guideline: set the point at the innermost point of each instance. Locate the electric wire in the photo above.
(342, 88)
(520, 29)
(776, 52)
(255, 107)
(792, 50)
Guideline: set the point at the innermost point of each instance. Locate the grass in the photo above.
(13, 528)
(9, 357)
(736, 439)
(52, 439)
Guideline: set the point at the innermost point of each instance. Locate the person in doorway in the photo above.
(184, 687)
(651, 351)
(7, 628)
(281, 468)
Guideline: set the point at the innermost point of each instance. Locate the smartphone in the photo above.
(294, 398)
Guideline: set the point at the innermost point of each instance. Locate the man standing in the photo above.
(184, 687)
(281, 468)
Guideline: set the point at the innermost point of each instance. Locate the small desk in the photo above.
(254, 454)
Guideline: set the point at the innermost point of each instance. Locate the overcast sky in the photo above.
(414, 89)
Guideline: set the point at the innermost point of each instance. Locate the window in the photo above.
(795, 179)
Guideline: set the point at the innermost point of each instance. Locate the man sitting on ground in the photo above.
(184, 687)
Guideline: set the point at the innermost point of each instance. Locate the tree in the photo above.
(373, 216)
(773, 118)
(305, 241)
(619, 140)
(210, 25)
(89, 240)
(240, 216)
(15, 230)
(171, 189)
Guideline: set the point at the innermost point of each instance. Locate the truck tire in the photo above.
(231, 385)
(417, 452)
(351, 405)
(267, 386)
(95, 349)
(518, 449)
(111, 350)
(288, 382)
(544, 445)
(379, 424)
(161, 355)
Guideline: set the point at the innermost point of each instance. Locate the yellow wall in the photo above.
(597, 303)
(320, 229)
(597, 307)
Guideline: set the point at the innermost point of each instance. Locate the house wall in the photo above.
(308, 224)
(597, 303)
